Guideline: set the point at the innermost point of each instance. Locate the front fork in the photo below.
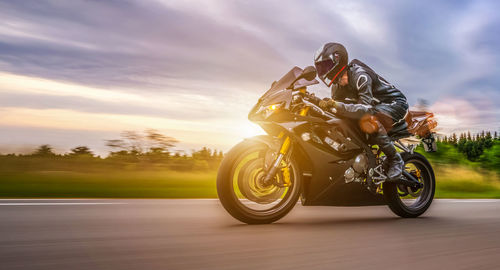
(285, 147)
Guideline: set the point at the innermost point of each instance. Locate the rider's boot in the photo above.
(394, 161)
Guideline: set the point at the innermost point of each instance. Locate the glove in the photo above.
(327, 103)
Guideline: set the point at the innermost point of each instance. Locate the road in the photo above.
(198, 234)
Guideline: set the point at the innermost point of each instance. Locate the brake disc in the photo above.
(253, 188)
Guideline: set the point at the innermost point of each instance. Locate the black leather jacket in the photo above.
(365, 90)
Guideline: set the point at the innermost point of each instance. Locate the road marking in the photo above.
(57, 203)
(110, 199)
(29, 199)
(471, 200)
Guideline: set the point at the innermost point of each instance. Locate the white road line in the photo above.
(104, 199)
(471, 200)
(58, 203)
(45, 199)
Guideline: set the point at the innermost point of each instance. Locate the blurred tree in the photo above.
(134, 143)
(472, 145)
(203, 154)
(44, 151)
(81, 151)
(116, 144)
(454, 139)
(159, 143)
(491, 157)
(212, 157)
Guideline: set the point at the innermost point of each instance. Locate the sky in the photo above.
(81, 72)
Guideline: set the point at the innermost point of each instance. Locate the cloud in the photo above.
(132, 44)
(29, 92)
(458, 115)
(209, 61)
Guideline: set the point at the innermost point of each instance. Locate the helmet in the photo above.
(330, 60)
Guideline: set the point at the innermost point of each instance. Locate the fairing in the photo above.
(326, 186)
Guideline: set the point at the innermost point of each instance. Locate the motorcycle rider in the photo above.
(359, 93)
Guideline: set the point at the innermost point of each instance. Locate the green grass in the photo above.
(453, 181)
(121, 184)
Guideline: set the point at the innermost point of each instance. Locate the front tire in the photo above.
(239, 190)
(408, 203)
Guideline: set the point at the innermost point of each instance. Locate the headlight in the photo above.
(266, 111)
(273, 107)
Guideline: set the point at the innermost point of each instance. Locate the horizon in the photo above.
(28, 150)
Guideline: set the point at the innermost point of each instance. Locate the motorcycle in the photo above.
(312, 154)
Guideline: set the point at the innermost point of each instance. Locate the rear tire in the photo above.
(392, 190)
(229, 197)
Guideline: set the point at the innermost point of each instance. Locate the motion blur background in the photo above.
(80, 73)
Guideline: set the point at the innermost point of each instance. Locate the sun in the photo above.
(247, 130)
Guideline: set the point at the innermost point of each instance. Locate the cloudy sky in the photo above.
(80, 72)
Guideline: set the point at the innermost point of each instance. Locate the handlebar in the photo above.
(310, 97)
(313, 101)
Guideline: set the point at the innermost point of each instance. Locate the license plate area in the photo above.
(430, 143)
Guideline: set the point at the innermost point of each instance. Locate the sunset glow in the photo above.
(196, 80)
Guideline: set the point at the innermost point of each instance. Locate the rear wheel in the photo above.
(408, 202)
(244, 194)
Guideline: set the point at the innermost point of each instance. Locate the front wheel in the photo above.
(408, 202)
(241, 188)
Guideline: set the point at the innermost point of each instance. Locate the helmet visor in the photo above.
(324, 67)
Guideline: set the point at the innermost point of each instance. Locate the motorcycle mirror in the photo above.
(309, 73)
(273, 84)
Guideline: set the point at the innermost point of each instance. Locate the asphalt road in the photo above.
(198, 234)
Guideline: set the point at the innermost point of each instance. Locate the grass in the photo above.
(452, 182)
(465, 182)
(119, 184)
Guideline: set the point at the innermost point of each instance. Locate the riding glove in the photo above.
(327, 103)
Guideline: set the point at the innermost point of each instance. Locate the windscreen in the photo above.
(287, 79)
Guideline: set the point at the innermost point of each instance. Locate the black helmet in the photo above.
(330, 60)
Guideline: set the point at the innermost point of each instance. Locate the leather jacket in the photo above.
(365, 90)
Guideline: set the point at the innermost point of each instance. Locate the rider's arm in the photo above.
(363, 84)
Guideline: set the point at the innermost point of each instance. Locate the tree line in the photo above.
(133, 150)
(150, 150)
(482, 149)
(472, 145)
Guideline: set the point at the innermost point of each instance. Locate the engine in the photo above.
(357, 169)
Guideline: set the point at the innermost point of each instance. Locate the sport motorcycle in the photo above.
(314, 155)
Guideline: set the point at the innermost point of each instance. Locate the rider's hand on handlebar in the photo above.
(327, 103)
